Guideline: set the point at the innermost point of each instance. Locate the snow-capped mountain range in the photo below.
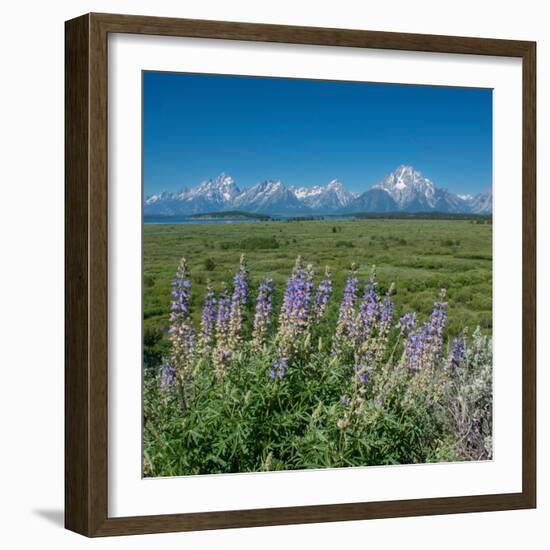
(403, 190)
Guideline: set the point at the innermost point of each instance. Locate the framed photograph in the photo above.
(300, 275)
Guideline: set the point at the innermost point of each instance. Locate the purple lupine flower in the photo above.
(385, 320)
(322, 296)
(369, 311)
(344, 326)
(414, 350)
(290, 291)
(423, 348)
(362, 373)
(181, 331)
(407, 324)
(222, 354)
(263, 312)
(240, 282)
(301, 299)
(437, 324)
(386, 314)
(458, 353)
(295, 315)
(167, 378)
(279, 368)
(345, 401)
(222, 315)
(180, 290)
(208, 321)
(239, 299)
(386, 317)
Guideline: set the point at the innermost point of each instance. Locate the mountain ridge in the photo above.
(403, 190)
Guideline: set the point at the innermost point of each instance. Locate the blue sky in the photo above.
(307, 132)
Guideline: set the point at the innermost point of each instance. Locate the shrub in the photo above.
(450, 242)
(228, 245)
(344, 244)
(209, 264)
(259, 243)
(471, 410)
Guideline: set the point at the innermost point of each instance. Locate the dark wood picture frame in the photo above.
(86, 284)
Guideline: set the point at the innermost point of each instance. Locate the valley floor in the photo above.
(419, 256)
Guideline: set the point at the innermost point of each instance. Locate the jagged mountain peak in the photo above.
(404, 189)
(407, 169)
(270, 196)
(404, 176)
(335, 184)
(482, 203)
(330, 197)
(222, 187)
(272, 184)
(406, 185)
(224, 179)
(220, 181)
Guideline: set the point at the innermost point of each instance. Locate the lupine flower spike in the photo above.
(385, 323)
(345, 324)
(322, 296)
(181, 331)
(369, 312)
(208, 321)
(239, 300)
(167, 379)
(386, 314)
(263, 313)
(423, 348)
(457, 354)
(222, 354)
(407, 324)
(295, 316)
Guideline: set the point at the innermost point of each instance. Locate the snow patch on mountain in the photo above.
(305, 192)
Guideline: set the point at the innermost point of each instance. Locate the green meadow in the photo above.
(419, 256)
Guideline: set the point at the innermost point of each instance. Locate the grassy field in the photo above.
(419, 256)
